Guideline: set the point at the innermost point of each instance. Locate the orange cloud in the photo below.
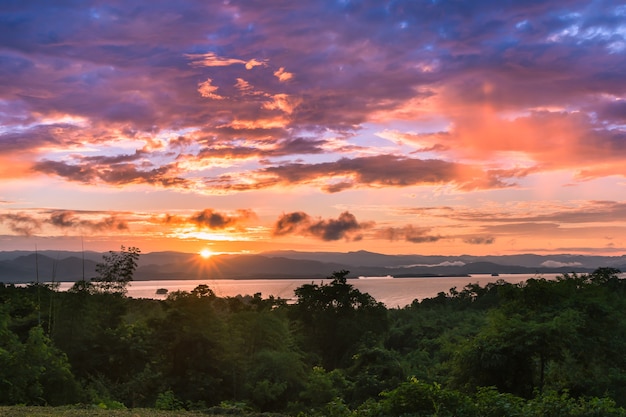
(283, 75)
(207, 90)
(21, 223)
(211, 59)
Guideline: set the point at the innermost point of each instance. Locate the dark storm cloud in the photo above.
(345, 226)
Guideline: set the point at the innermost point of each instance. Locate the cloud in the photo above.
(451, 263)
(423, 142)
(244, 85)
(65, 219)
(480, 240)
(207, 90)
(114, 171)
(345, 226)
(378, 171)
(243, 97)
(444, 263)
(36, 137)
(264, 149)
(210, 59)
(541, 141)
(290, 223)
(408, 233)
(21, 223)
(36, 221)
(552, 102)
(283, 102)
(283, 75)
(558, 264)
(524, 214)
(212, 219)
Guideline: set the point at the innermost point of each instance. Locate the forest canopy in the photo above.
(502, 349)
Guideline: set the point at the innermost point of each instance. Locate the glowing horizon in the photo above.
(408, 127)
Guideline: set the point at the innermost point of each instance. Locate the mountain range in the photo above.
(46, 266)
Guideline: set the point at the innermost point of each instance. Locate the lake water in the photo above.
(393, 292)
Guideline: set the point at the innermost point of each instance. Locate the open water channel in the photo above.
(393, 292)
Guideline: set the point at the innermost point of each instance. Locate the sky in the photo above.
(482, 127)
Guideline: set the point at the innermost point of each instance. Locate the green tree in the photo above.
(563, 334)
(274, 379)
(33, 372)
(335, 317)
(513, 352)
(192, 343)
(86, 330)
(254, 337)
(322, 387)
(374, 369)
(417, 398)
(116, 270)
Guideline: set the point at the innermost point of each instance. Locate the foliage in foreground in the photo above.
(539, 348)
(94, 411)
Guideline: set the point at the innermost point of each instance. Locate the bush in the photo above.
(168, 401)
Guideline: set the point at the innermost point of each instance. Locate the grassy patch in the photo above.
(94, 411)
(20, 411)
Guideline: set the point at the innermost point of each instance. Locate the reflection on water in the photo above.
(394, 292)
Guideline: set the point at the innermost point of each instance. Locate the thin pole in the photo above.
(52, 293)
(82, 243)
(38, 289)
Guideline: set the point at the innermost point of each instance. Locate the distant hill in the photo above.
(238, 266)
(32, 267)
(364, 258)
(24, 266)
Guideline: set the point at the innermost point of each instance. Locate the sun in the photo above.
(205, 253)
